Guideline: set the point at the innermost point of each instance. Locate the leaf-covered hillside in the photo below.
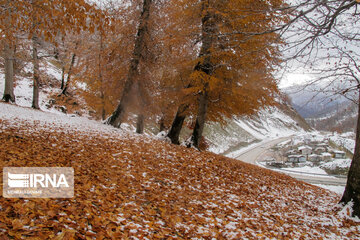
(136, 187)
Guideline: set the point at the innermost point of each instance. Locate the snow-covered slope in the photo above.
(23, 85)
(173, 192)
(323, 110)
(271, 122)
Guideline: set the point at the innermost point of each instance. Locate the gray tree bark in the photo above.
(62, 76)
(36, 72)
(101, 80)
(209, 34)
(140, 123)
(176, 126)
(66, 87)
(133, 74)
(208, 37)
(9, 60)
(9, 73)
(352, 189)
(200, 120)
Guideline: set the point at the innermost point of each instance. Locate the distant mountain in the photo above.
(323, 111)
(343, 119)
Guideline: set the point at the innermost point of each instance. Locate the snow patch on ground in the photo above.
(334, 188)
(307, 169)
(337, 163)
(270, 123)
(257, 203)
(23, 87)
(16, 114)
(343, 141)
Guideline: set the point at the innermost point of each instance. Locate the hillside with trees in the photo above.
(185, 71)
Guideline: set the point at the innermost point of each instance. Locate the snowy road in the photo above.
(252, 155)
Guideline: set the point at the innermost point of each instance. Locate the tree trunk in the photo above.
(117, 116)
(36, 73)
(102, 94)
(140, 124)
(62, 76)
(177, 124)
(65, 88)
(162, 124)
(9, 59)
(352, 189)
(200, 120)
(209, 34)
(103, 112)
(142, 106)
(9, 73)
(133, 74)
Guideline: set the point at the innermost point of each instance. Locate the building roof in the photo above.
(339, 152)
(326, 154)
(304, 147)
(322, 144)
(295, 156)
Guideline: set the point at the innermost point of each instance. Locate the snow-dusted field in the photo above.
(334, 188)
(139, 187)
(345, 141)
(308, 170)
(23, 89)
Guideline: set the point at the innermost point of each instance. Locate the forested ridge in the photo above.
(164, 62)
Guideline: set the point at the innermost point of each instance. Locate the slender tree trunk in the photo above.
(140, 123)
(101, 80)
(62, 76)
(177, 124)
(9, 73)
(35, 61)
(133, 74)
(63, 63)
(66, 87)
(103, 111)
(36, 73)
(9, 59)
(352, 189)
(142, 106)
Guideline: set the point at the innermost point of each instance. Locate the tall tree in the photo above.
(133, 76)
(103, 59)
(321, 37)
(8, 20)
(42, 20)
(231, 61)
(65, 86)
(205, 68)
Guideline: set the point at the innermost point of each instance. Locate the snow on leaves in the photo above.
(129, 187)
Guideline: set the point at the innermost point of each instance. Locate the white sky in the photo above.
(291, 79)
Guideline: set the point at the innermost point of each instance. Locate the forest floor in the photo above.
(130, 186)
